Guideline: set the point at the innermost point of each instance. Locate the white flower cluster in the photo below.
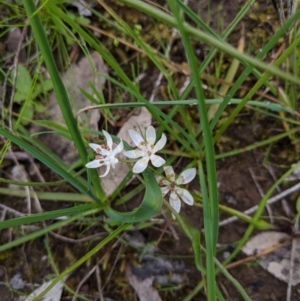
(145, 152)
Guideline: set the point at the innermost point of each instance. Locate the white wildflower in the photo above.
(106, 156)
(147, 149)
(171, 184)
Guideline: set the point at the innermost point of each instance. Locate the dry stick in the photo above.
(22, 156)
(263, 253)
(3, 214)
(284, 203)
(292, 261)
(23, 177)
(261, 192)
(171, 228)
(15, 65)
(114, 264)
(269, 202)
(225, 291)
(87, 276)
(77, 241)
(12, 211)
(98, 277)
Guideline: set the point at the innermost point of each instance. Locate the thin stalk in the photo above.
(211, 216)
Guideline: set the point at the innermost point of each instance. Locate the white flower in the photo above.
(106, 155)
(146, 150)
(171, 184)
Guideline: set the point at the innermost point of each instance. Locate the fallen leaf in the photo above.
(79, 76)
(277, 263)
(139, 121)
(82, 10)
(53, 295)
(143, 288)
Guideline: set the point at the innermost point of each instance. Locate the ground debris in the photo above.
(278, 263)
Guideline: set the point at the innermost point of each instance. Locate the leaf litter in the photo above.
(89, 70)
(277, 263)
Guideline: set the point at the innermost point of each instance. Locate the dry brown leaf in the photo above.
(278, 263)
(88, 70)
(143, 288)
(139, 121)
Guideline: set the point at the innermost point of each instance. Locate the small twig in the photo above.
(99, 282)
(12, 211)
(284, 203)
(85, 278)
(115, 262)
(22, 156)
(77, 241)
(261, 192)
(171, 228)
(294, 253)
(14, 79)
(269, 202)
(23, 177)
(263, 253)
(3, 214)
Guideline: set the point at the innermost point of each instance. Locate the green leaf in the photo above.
(38, 217)
(27, 113)
(23, 83)
(19, 96)
(149, 207)
(263, 225)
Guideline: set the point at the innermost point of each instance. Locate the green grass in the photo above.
(55, 29)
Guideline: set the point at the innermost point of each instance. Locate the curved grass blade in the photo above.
(149, 207)
(46, 230)
(47, 161)
(39, 217)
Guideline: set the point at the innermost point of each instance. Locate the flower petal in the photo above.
(164, 190)
(175, 201)
(160, 143)
(133, 154)
(94, 164)
(186, 176)
(150, 135)
(157, 161)
(136, 137)
(106, 172)
(185, 195)
(96, 147)
(108, 138)
(113, 162)
(170, 174)
(118, 149)
(158, 178)
(162, 181)
(140, 165)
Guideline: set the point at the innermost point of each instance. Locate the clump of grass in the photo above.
(195, 138)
